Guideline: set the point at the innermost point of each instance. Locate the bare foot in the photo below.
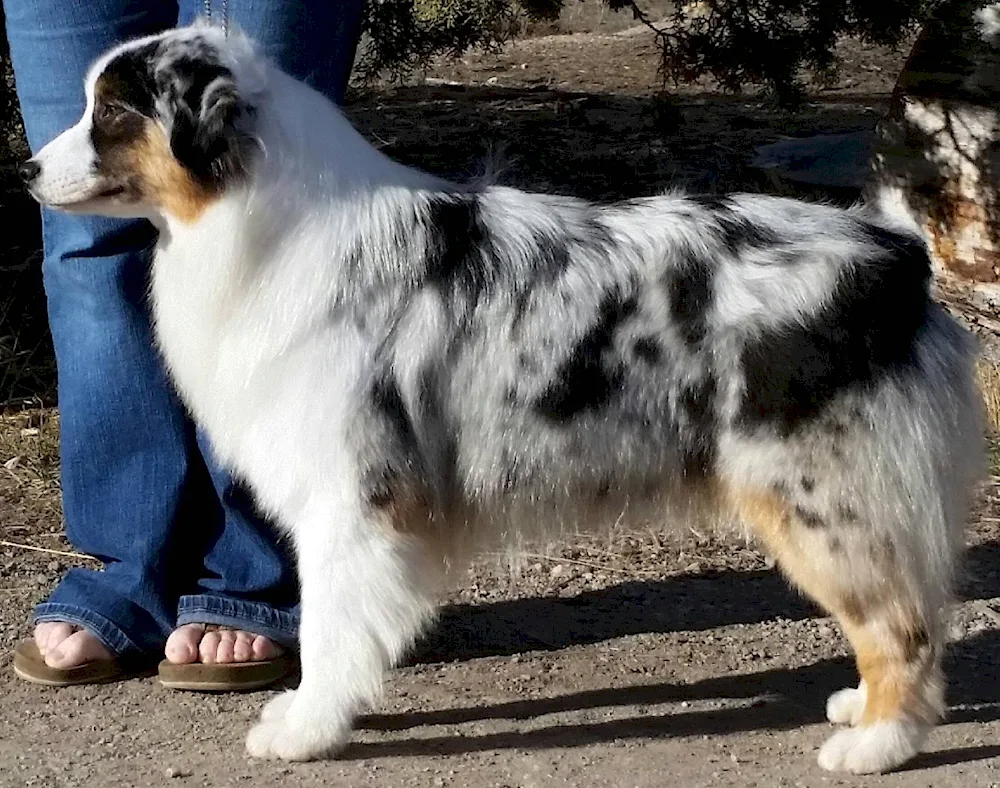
(67, 645)
(191, 643)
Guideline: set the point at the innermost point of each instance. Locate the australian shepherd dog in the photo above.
(405, 369)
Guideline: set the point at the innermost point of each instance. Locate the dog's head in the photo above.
(167, 128)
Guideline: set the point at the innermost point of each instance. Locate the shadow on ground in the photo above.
(777, 699)
(685, 602)
(598, 146)
(780, 698)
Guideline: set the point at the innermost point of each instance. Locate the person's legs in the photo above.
(246, 581)
(137, 493)
(123, 435)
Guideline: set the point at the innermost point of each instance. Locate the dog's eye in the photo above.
(111, 112)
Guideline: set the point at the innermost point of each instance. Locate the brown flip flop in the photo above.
(29, 664)
(225, 677)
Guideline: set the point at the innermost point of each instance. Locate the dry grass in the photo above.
(29, 444)
(988, 374)
(30, 501)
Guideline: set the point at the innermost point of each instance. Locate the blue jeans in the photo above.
(180, 541)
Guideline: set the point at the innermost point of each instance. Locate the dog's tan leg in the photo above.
(861, 580)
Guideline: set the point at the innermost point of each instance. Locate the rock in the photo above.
(838, 161)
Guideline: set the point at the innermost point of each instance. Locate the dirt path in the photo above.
(639, 660)
(636, 661)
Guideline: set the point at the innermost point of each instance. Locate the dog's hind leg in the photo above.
(863, 504)
(366, 591)
(891, 617)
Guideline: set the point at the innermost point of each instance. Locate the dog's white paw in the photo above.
(288, 733)
(277, 706)
(846, 706)
(872, 749)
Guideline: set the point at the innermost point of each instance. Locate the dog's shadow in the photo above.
(776, 699)
(682, 603)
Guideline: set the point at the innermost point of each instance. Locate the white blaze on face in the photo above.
(69, 162)
(68, 175)
(68, 168)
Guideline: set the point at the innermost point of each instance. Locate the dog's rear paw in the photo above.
(872, 749)
(286, 735)
(846, 706)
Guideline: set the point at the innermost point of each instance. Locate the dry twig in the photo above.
(48, 550)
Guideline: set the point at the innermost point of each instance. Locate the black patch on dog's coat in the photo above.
(588, 380)
(458, 247)
(128, 80)
(739, 233)
(388, 403)
(895, 243)
(867, 330)
(385, 478)
(809, 518)
(699, 427)
(521, 302)
(124, 97)
(735, 232)
(689, 294)
(712, 202)
(648, 349)
(551, 257)
(205, 136)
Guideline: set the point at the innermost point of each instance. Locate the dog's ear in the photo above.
(209, 133)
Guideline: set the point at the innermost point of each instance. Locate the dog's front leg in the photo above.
(366, 592)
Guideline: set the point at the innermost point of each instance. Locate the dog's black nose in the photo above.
(29, 170)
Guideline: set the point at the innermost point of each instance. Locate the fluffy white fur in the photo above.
(401, 366)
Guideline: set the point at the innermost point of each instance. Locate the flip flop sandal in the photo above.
(29, 664)
(225, 677)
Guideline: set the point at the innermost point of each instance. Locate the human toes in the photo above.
(79, 648)
(208, 648)
(225, 650)
(183, 643)
(243, 647)
(49, 634)
(264, 648)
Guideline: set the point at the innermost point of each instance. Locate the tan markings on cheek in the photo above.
(165, 182)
